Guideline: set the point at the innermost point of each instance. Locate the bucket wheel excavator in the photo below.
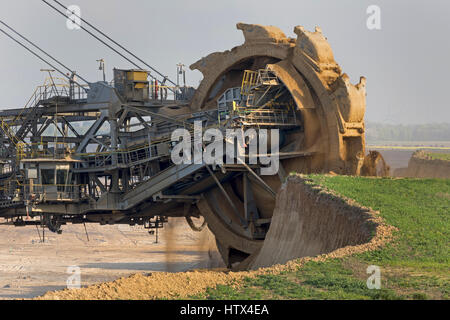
(116, 168)
(322, 129)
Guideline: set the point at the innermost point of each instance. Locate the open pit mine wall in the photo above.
(308, 221)
(422, 165)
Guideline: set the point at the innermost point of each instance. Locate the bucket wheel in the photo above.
(328, 135)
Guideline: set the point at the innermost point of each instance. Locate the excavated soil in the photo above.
(308, 222)
(422, 165)
(359, 229)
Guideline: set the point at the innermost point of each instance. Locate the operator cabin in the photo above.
(50, 180)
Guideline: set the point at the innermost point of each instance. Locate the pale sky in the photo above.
(406, 62)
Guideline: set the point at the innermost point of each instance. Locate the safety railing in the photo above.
(44, 150)
(272, 114)
(50, 89)
(253, 79)
(47, 192)
(248, 82)
(168, 93)
(61, 150)
(56, 192)
(56, 87)
(267, 78)
(123, 157)
(9, 132)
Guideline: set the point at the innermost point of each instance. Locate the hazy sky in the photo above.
(406, 62)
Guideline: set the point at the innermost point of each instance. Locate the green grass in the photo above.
(414, 266)
(439, 156)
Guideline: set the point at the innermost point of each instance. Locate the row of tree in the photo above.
(420, 132)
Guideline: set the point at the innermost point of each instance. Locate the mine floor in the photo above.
(29, 268)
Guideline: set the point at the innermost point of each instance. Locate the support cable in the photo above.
(43, 51)
(39, 57)
(93, 35)
(115, 42)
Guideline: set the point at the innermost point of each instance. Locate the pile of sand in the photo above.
(158, 285)
(164, 285)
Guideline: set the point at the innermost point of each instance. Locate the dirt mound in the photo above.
(421, 165)
(160, 285)
(307, 232)
(308, 221)
(374, 165)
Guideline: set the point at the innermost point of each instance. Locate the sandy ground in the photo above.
(29, 268)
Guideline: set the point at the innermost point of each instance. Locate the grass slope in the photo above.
(439, 156)
(414, 266)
